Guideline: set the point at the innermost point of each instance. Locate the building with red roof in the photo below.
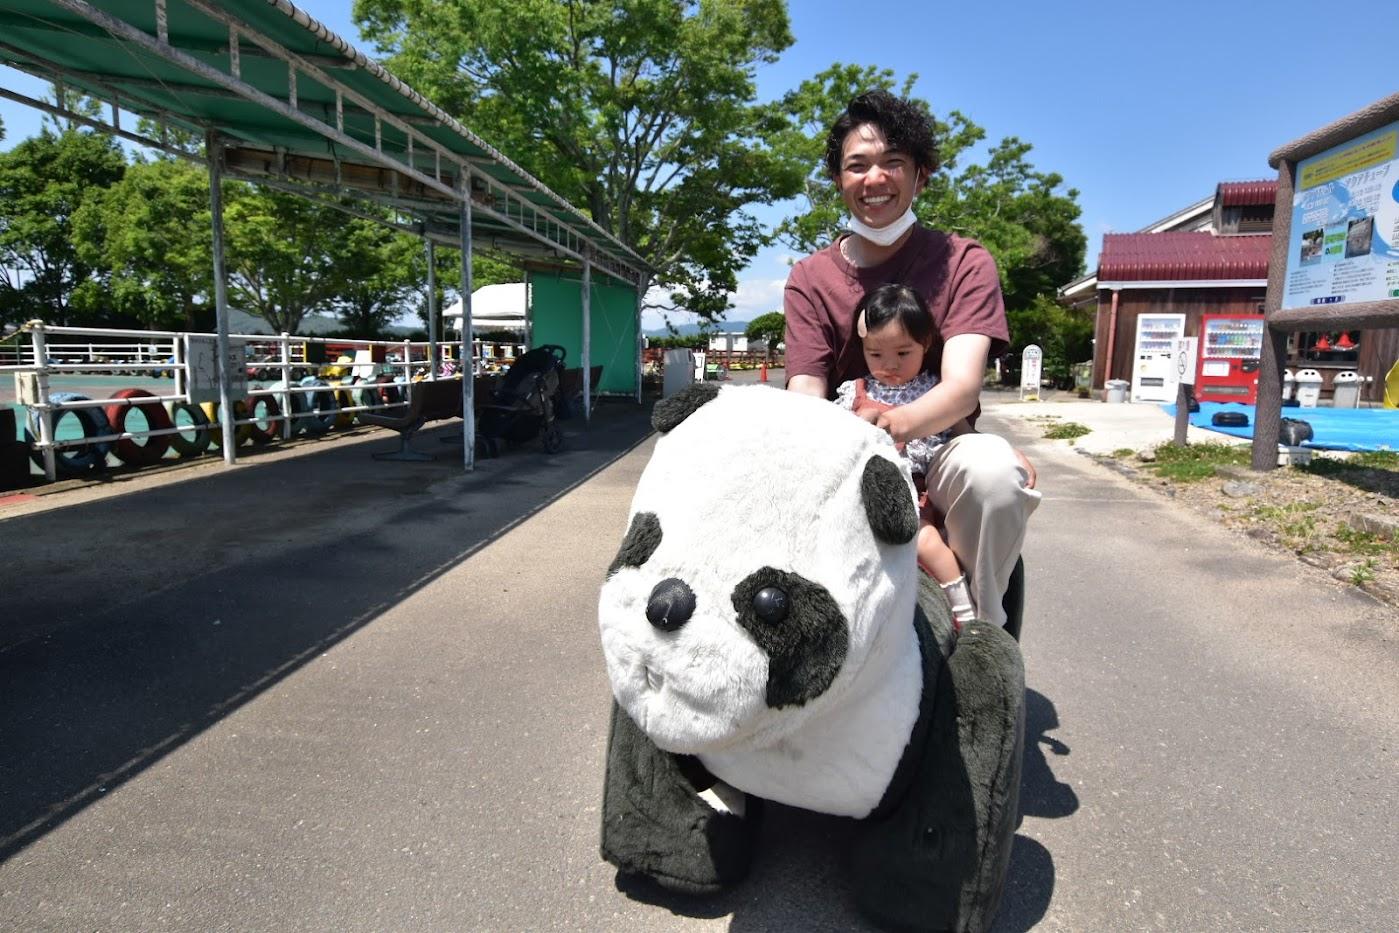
(1208, 258)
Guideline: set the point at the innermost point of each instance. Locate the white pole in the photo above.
(468, 358)
(587, 339)
(41, 362)
(431, 310)
(284, 400)
(214, 151)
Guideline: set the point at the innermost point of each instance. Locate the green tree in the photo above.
(640, 111)
(281, 254)
(770, 328)
(151, 235)
(1023, 216)
(1065, 336)
(43, 182)
(375, 266)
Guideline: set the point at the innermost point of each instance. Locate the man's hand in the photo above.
(900, 423)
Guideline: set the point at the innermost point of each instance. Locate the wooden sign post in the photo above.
(1335, 246)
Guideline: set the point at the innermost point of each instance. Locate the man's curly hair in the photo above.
(907, 128)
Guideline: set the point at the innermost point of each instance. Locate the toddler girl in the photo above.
(896, 329)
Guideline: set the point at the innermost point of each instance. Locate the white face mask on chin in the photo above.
(883, 236)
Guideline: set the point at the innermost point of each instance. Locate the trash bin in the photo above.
(1308, 387)
(1345, 390)
(1288, 383)
(1115, 390)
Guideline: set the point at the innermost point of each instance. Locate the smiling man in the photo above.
(880, 153)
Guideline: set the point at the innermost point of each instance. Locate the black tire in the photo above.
(78, 460)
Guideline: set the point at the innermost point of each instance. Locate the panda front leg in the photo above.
(665, 817)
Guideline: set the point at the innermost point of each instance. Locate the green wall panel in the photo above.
(555, 310)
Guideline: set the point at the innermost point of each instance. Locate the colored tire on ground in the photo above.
(295, 402)
(321, 407)
(77, 460)
(344, 398)
(128, 450)
(241, 432)
(198, 432)
(264, 408)
(383, 392)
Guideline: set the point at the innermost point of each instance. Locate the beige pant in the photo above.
(976, 483)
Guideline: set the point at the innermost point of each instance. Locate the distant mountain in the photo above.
(689, 330)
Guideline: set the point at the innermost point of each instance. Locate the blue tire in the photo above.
(73, 461)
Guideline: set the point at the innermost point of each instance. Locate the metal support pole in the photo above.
(587, 339)
(41, 363)
(431, 310)
(285, 400)
(468, 359)
(214, 150)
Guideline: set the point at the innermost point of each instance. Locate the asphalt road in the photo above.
(329, 693)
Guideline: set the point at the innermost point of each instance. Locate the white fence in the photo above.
(283, 387)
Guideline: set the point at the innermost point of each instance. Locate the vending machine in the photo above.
(1154, 370)
(1230, 347)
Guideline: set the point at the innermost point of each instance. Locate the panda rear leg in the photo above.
(939, 861)
(665, 817)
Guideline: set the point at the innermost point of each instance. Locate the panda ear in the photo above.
(671, 411)
(888, 505)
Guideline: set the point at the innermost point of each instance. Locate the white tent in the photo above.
(493, 307)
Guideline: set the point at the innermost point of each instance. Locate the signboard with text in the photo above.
(202, 357)
(1343, 246)
(1031, 362)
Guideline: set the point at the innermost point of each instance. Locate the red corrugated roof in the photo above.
(1176, 256)
(1247, 193)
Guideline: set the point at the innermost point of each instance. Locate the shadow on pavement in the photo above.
(133, 622)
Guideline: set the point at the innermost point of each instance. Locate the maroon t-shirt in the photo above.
(955, 275)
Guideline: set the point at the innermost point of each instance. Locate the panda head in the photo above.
(770, 542)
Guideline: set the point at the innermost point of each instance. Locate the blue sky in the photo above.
(1143, 108)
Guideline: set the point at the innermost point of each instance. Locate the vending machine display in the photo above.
(1154, 371)
(1230, 348)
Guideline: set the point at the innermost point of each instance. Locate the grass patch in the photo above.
(1197, 461)
(1123, 453)
(1363, 542)
(1363, 573)
(1386, 460)
(1067, 431)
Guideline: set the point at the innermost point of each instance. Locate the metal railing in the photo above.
(359, 374)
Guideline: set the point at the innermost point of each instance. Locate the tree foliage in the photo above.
(1023, 216)
(640, 111)
(149, 237)
(771, 327)
(1065, 336)
(43, 181)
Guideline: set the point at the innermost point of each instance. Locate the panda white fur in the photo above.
(701, 688)
(768, 636)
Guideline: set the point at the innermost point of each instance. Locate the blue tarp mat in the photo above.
(1332, 428)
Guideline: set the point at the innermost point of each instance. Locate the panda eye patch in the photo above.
(643, 537)
(798, 625)
(771, 605)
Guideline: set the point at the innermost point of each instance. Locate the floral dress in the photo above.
(919, 451)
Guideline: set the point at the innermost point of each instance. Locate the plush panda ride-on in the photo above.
(768, 635)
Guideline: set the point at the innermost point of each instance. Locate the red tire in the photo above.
(128, 451)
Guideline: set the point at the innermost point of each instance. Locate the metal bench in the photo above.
(427, 401)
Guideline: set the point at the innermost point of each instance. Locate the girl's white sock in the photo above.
(960, 599)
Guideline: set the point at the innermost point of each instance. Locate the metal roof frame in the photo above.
(308, 113)
(294, 102)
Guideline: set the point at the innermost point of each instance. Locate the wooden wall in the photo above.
(1379, 349)
(1134, 302)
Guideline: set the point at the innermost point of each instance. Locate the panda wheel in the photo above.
(552, 439)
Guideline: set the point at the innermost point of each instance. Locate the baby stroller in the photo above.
(522, 407)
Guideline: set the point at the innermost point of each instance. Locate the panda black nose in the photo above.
(671, 605)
